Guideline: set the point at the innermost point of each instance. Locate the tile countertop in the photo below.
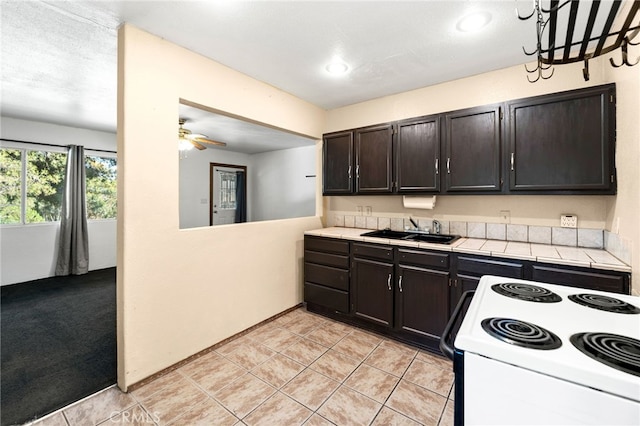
(562, 255)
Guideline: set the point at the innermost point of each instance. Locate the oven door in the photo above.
(457, 356)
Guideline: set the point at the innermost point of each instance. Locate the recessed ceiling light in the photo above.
(337, 68)
(473, 22)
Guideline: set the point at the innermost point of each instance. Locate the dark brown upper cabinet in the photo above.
(417, 155)
(374, 152)
(563, 142)
(337, 173)
(472, 150)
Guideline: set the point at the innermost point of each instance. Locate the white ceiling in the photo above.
(59, 58)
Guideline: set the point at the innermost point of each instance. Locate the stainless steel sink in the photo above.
(412, 236)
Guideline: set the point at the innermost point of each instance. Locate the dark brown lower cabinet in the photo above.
(409, 294)
(372, 290)
(422, 302)
(326, 273)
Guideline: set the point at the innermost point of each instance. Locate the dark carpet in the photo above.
(58, 343)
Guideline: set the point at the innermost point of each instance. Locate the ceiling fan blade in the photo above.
(197, 145)
(208, 141)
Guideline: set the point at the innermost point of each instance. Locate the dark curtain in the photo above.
(241, 198)
(73, 245)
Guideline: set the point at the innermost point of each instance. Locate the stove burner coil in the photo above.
(604, 303)
(528, 292)
(520, 333)
(619, 352)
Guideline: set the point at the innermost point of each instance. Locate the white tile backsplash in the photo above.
(349, 221)
(476, 230)
(372, 222)
(384, 223)
(496, 231)
(397, 224)
(564, 236)
(458, 228)
(540, 234)
(517, 233)
(571, 237)
(591, 238)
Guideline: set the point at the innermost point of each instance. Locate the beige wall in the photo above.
(181, 291)
(497, 86)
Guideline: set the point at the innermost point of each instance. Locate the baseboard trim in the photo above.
(203, 352)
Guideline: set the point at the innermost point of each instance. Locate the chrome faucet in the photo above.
(436, 227)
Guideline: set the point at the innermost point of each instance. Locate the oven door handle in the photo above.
(445, 347)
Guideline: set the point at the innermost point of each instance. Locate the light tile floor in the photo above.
(298, 369)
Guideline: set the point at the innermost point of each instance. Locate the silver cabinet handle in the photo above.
(358, 171)
(400, 283)
(389, 282)
(349, 172)
(437, 162)
(448, 165)
(512, 161)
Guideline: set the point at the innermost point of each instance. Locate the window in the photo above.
(44, 185)
(32, 184)
(10, 185)
(227, 190)
(101, 187)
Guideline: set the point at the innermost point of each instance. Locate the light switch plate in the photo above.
(568, 221)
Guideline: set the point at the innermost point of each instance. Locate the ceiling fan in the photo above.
(188, 140)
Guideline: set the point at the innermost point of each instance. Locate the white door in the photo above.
(224, 195)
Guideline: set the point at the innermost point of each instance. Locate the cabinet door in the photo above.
(372, 290)
(472, 144)
(422, 303)
(374, 151)
(563, 142)
(337, 163)
(418, 155)
(460, 284)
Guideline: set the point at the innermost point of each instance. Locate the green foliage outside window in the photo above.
(44, 183)
(10, 176)
(101, 187)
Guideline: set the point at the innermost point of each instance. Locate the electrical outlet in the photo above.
(569, 221)
(368, 210)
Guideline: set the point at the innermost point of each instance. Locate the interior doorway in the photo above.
(227, 194)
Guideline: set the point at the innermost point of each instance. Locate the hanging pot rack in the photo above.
(565, 51)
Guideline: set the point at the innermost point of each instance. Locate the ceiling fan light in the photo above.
(184, 145)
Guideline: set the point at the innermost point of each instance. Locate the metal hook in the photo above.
(540, 73)
(526, 17)
(625, 56)
(585, 70)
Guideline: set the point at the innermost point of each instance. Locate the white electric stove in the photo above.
(534, 353)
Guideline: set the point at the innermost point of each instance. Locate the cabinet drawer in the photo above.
(326, 244)
(423, 258)
(481, 267)
(327, 297)
(583, 279)
(334, 260)
(326, 275)
(372, 251)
